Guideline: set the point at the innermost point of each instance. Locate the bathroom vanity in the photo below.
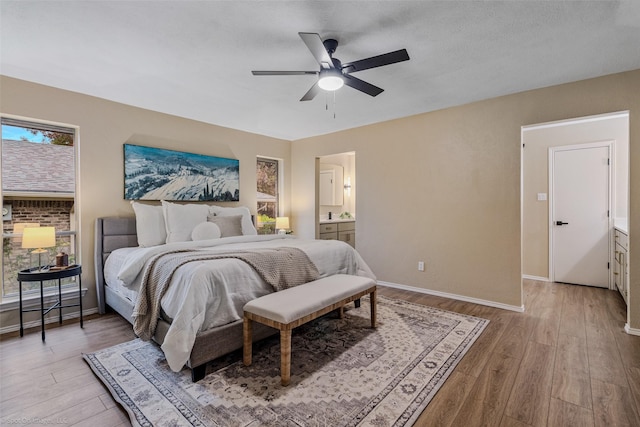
(339, 229)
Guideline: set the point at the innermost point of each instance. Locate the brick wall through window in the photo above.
(47, 213)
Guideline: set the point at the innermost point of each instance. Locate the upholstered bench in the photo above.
(296, 306)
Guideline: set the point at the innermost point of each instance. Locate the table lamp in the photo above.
(38, 238)
(282, 224)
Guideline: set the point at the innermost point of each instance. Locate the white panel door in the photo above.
(580, 206)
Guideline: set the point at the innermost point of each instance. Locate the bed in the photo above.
(117, 243)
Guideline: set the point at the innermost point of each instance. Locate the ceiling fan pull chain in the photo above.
(334, 104)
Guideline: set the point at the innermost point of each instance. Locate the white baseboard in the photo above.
(453, 296)
(537, 278)
(631, 331)
(50, 319)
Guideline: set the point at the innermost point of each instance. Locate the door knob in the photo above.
(561, 223)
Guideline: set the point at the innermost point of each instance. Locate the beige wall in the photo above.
(104, 127)
(538, 140)
(444, 187)
(441, 187)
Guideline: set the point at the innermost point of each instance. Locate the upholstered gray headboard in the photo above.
(111, 233)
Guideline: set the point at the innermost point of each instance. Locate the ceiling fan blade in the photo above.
(311, 93)
(376, 61)
(283, 73)
(315, 45)
(361, 85)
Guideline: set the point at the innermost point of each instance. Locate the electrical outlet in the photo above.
(420, 265)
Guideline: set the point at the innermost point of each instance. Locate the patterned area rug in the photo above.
(343, 373)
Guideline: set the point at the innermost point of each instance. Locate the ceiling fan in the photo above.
(334, 74)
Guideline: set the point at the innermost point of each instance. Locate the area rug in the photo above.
(343, 373)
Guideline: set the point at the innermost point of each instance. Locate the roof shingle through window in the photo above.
(38, 168)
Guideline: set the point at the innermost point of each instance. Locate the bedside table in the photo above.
(42, 276)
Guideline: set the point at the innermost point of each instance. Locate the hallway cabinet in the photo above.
(620, 264)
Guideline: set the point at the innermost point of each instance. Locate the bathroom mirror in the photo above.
(331, 185)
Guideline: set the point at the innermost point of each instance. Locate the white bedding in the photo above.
(206, 294)
(111, 269)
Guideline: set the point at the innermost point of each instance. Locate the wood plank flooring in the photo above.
(566, 361)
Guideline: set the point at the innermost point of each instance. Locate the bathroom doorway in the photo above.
(336, 178)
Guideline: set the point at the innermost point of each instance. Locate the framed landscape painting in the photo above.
(159, 174)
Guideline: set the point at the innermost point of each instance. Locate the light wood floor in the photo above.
(565, 362)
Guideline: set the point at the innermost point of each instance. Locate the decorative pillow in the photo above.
(180, 220)
(150, 225)
(229, 225)
(247, 224)
(205, 231)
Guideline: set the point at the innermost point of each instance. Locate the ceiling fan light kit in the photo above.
(333, 74)
(330, 80)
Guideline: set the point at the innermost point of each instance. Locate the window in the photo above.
(38, 190)
(268, 195)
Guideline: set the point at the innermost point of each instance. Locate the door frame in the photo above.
(610, 145)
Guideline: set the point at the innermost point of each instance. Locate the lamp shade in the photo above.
(282, 222)
(38, 237)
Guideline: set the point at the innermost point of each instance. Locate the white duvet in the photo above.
(207, 294)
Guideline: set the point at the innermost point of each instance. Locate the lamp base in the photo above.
(42, 262)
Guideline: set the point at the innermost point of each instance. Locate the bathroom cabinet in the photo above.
(331, 185)
(339, 230)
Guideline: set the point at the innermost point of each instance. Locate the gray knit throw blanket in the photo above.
(280, 267)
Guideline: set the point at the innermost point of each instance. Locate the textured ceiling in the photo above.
(194, 58)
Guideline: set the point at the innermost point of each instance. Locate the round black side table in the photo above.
(34, 275)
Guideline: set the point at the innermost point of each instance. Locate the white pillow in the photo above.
(247, 225)
(205, 231)
(150, 225)
(182, 219)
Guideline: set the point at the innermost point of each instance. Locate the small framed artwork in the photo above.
(160, 174)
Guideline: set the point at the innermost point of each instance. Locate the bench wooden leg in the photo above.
(247, 341)
(372, 299)
(285, 356)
